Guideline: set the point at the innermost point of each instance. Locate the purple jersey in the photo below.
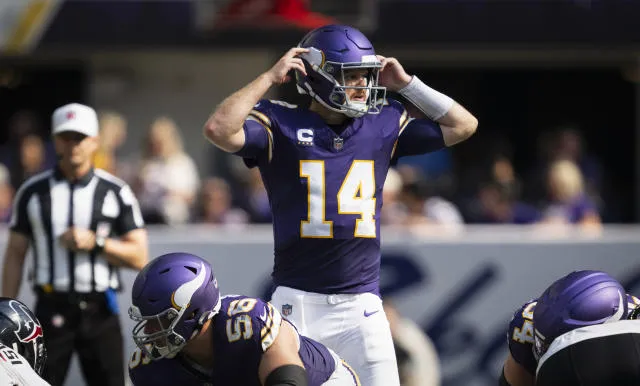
(243, 330)
(521, 336)
(325, 189)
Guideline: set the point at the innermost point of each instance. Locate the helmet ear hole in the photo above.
(193, 314)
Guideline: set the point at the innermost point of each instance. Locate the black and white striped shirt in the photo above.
(47, 204)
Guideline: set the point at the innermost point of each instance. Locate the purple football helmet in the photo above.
(334, 50)
(579, 299)
(172, 297)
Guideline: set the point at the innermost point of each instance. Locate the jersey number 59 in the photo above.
(239, 326)
(355, 196)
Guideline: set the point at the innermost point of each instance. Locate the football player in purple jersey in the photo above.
(187, 334)
(324, 168)
(583, 304)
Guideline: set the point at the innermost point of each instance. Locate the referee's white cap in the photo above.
(75, 117)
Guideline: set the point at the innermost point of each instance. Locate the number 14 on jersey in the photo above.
(355, 196)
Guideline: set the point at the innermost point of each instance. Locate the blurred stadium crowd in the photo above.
(563, 187)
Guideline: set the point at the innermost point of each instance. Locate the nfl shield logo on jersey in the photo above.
(287, 309)
(338, 143)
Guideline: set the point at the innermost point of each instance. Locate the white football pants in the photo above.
(354, 325)
(343, 375)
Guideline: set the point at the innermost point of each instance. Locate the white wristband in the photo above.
(431, 102)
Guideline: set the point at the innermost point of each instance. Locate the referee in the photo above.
(83, 224)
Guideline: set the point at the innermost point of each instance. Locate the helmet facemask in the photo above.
(156, 334)
(372, 91)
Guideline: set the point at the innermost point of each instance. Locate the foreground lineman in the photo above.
(577, 332)
(324, 168)
(187, 334)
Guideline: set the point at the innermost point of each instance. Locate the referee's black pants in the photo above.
(85, 324)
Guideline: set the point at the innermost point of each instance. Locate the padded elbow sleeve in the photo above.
(287, 375)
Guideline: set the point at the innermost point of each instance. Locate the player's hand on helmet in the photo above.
(290, 61)
(392, 74)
